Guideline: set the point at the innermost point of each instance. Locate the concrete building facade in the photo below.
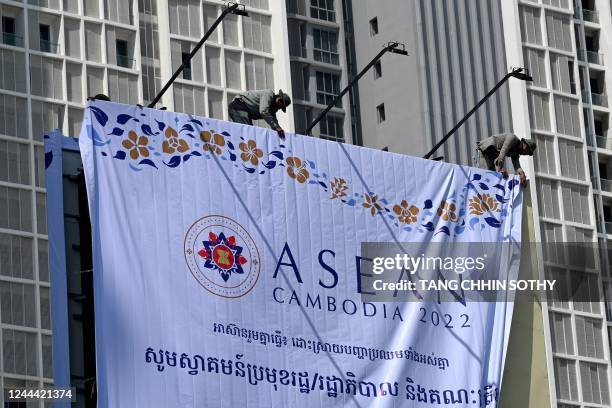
(55, 53)
(318, 66)
(459, 51)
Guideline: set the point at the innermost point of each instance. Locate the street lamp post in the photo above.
(516, 73)
(233, 8)
(393, 47)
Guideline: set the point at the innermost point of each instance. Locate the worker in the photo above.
(263, 104)
(99, 97)
(494, 150)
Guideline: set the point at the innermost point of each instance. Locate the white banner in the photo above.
(226, 265)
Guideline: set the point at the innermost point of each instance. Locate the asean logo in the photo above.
(222, 256)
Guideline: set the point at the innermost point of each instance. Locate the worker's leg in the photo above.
(486, 161)
(237, 114)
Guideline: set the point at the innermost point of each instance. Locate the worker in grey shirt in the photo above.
(494, 150)
(253, 105)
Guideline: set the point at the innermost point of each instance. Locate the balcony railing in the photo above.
(12, 39)
(298, 51)
(599, 99)
(593, 57)
(296, 7)
(48, 46)
(590, 15)
(326, 99)
(126, 62)
(602, 142)
(606, 185)
(596, 140)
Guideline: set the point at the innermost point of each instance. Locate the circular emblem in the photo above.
(222, 256)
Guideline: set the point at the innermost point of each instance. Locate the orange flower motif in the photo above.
(338, 187)
(173, 142)
(447, 211)
(212, 142)
(371, 202)
(296, 169)
(482, 204)
(136, 145)
(250, 152)
(406, 214)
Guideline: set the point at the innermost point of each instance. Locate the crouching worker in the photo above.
(253, 105)
(494, 150)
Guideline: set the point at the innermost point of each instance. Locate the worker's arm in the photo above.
(509, 142)
(518, 170)
(265, 102)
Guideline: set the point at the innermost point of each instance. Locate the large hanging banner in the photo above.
(227, 268)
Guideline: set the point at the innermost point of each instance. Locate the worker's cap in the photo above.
(99, 97)
(286, 99)
(531, 144)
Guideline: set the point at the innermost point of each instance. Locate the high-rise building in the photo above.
(56, 53)
(318, 66)
(459, 51)
(53, 55)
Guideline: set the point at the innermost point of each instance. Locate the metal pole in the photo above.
(514, 73)
(230, 9)
(390, 47)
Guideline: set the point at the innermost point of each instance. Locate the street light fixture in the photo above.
(518, 73)
(230, 8)
(394, 47)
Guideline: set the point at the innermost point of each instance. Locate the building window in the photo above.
(8, 31)
(565, 373)
(187, 68)
(539, 110)
(322, 9)
(374, 26)
(325, 46)
(8, 25)
(380, 111)
(121, 48)
(303, 117)
(296, 7)
(330, 128)
(45, 38)
(531, 28)
(377, 70)
(594, 381)
(328, 87)
(257, 33)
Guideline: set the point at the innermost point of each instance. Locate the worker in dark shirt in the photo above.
(253, 105)
(494, 150)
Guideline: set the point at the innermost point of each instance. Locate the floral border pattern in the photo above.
(171, 146)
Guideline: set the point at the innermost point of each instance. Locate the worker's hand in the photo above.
(281, 132)
(499, 165)
(522, 177)
(504, 173)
